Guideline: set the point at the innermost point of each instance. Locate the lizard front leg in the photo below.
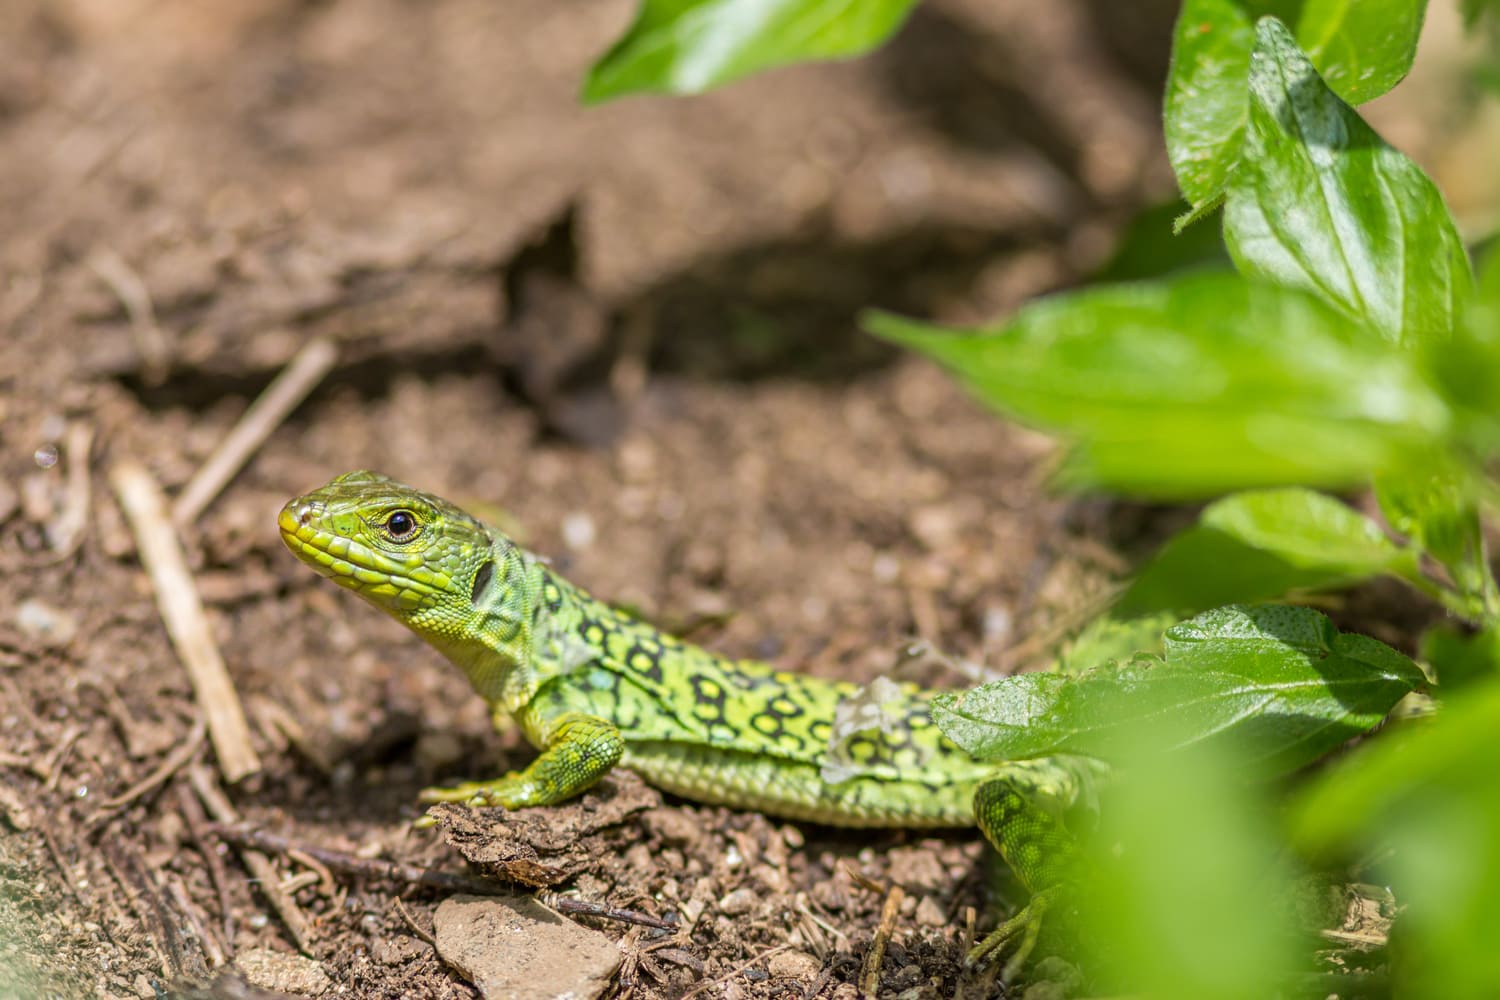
(579, 750)
(1022, 811)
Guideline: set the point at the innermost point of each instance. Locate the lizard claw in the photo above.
(1020, 931)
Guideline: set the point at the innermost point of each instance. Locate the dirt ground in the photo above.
(627, 332)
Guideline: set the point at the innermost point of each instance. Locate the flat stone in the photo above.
(517, 949)
(282, 972)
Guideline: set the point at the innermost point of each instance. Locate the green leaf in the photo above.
(1437, 507)
(1205, 100)
(1474, 10)
(1114, 637)
(1363, 50)
(1458, 659)
(1467, 368)
(1180, 836)
(1279, 684)
(689, 46)
(1150, 249)
(1424, 800)
(1320, 202)
(1260, 545)
(1197, 385)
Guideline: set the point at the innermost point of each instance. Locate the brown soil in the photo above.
(667, 396)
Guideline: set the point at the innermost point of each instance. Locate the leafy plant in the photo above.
(1352, 348)
(688, 46)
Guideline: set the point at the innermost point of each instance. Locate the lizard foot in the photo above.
(1020, 932)
(511, 791)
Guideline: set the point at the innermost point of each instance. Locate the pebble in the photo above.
(49, 626)
(739, 902)
(929, 914)
(793, 965)
(578, 531)
(917, 868)
(675, 827)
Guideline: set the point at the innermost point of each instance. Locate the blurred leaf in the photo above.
(1437, 507)
(689, 46)
(1426, 797)
(1264, 544)
(1466, 368)
(1280, 684)
(1362, 49)
(1459, 659)
(1473, 10)
(1181, 837)
(1112, 637)
(1196, 385)
(1150, 249)
(1319, 201)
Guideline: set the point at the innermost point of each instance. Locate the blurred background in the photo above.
(626, 329)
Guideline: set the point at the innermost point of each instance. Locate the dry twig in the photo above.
(395, 871)
(170, 765)
(270, 408)
(734, 972)
(411, 922)
(182, 610)
(184, 903)
(65, 531)
(258, 864)
(150, 339)
(869, 975)
(197, 824)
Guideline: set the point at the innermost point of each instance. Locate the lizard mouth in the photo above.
(300, 532)
(373, 575)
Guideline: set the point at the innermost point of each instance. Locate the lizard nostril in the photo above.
(306, 513)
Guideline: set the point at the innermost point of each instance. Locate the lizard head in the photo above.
(415, 556)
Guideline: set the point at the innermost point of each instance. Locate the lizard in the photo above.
(593, 688)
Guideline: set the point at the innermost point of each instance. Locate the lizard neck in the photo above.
(496, 646)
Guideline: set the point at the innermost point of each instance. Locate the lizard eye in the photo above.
(401, 525)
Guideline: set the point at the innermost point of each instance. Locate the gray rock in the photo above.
(517, 949)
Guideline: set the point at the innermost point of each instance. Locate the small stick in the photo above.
(148, 919)
(323, 876)
(395, 871)
(587, 908)
(65, 532)
(375, 868)
(182, 610)
(58, 860)
(170, 765)
(211, 950)
(734, 972)
(150, 339)
(411, 922)
(197, 824)
(36, 768)
(869, 976)
(270, 408)
(259, 865)
(59, 757)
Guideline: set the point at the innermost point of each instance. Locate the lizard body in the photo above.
(593, 688)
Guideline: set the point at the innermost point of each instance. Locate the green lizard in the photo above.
(593, 688)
